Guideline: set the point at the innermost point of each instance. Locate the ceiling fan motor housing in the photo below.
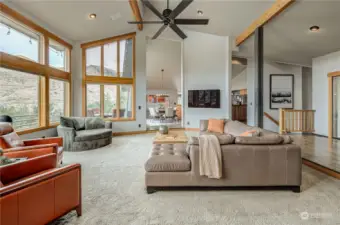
(167, 12)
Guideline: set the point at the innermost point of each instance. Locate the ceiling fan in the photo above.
(168, 18)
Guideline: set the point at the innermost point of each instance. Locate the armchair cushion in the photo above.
(90, 135)
(16, 171)
(94, 123)
(78, 123)
(13, 140)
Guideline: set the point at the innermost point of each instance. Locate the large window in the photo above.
(109, 78)
(34, 81)
(19, 98)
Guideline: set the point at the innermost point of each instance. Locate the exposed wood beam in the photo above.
(273, 11)
(136, 13)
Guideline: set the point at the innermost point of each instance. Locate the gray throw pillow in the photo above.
(79, 123)
(94, 123)
(66, 122)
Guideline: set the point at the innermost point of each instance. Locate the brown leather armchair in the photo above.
(36, 192)
(32, 148)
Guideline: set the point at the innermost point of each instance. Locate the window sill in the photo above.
(28, 131)
(120, 120)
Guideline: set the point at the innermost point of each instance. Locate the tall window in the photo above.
(19, 98)
(109, 78)
(34, 81)
(59, 101)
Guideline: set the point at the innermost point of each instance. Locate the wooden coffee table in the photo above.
(173, 137)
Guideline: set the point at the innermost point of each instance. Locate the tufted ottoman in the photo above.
(168, 158)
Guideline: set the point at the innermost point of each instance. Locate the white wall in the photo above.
(207, 65)
(321, 67)
(271, 68)
(240, 81)
(307, 88)
(163, 54)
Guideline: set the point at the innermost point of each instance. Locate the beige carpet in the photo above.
(113, 193)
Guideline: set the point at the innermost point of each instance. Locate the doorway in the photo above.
(164, 84)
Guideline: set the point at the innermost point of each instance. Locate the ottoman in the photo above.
(168, 158)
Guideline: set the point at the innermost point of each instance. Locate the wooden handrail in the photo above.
(271, 118)
(296, 120)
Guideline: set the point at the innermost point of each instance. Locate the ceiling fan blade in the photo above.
(152, 8)
(192, 21)
(181, 6)
(159, 31)
(178, 31)
(145, 22)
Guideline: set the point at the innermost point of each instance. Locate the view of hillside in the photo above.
(19, 98)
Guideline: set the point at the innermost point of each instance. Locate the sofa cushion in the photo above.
(236, 128)
(224, 139)
(90, 135)
(265, 140)
(168, 158)
(78, 123)
(94, 123)
(66, 122)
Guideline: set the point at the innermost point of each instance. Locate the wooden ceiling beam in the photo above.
(273, 11)
(136, 13)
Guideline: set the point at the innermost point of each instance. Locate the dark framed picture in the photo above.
(281, 91)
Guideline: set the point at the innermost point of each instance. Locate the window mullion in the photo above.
(118, 58)
(118, 101)
(102, 60)
(102, 100)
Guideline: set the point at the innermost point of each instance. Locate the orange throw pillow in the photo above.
(215, 125)
(250, 133)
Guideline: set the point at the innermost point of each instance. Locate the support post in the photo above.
(259, 73)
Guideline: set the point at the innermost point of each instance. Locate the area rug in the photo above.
(114, 193)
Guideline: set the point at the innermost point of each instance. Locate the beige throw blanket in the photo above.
(210, 156)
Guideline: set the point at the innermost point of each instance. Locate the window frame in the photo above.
(103, 80)
(40, 68)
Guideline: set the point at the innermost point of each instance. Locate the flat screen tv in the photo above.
(204, 98)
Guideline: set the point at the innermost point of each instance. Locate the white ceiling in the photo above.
(69, 17)
(163, 54)
(287, 37)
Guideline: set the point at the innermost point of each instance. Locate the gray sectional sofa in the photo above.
(266, 160)
(84, 133)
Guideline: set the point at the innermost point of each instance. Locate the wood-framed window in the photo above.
(35, 76)
(109, 78)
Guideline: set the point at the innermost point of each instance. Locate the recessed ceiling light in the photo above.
(314, 28)
(200, 12)
(92, 16)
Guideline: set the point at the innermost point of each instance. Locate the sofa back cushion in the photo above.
(236, 128)
(78, 123)
(66, 122)
(264, 140)
(94, 123)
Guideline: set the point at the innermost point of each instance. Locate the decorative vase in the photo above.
(163, 129)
